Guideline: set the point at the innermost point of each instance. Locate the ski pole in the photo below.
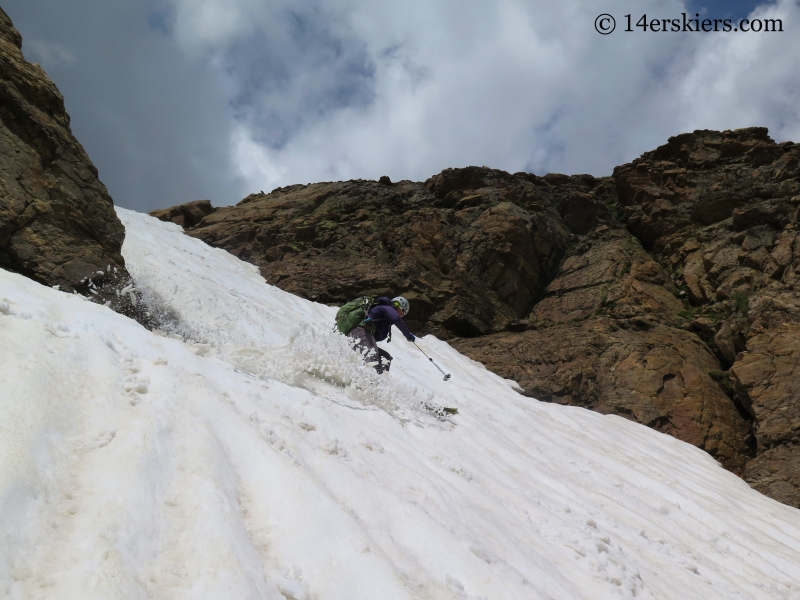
(446, 375)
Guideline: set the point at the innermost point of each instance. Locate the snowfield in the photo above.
(246, 453)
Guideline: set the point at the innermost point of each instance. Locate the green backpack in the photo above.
(353, 314)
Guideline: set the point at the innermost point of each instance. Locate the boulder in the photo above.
(185, 215)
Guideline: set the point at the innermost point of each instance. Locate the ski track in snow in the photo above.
(247, 453)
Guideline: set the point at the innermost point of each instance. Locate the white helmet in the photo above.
(401, 303)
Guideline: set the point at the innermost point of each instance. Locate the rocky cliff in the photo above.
(666, 293)
(57, 221)
(473, 249)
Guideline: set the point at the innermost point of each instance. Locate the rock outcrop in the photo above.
(719, 210)
(186, 215)
(57, 221)
(767, 378)
(666, 294)
(472, 249)
(609, 335)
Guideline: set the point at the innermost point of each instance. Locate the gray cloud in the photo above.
(182, 99)
(155, 121)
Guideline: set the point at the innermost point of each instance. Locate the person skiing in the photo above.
(373, 324)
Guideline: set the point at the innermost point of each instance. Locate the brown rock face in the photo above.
(608, 336)
(57, 221)
(472, 249)
(767, 377)
(719, 210)
(668, 294)
(706, 177)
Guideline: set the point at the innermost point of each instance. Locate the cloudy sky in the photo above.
(177, 100)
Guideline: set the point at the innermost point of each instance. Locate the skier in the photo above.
(368, 322)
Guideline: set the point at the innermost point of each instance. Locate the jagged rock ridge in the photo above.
(472, 248)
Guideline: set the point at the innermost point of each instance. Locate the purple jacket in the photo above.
(383, 315)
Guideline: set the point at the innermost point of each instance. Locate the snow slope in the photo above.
(246, 453)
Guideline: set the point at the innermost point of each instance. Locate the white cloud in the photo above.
(359, 89)
(179, 99)
(748, 79)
